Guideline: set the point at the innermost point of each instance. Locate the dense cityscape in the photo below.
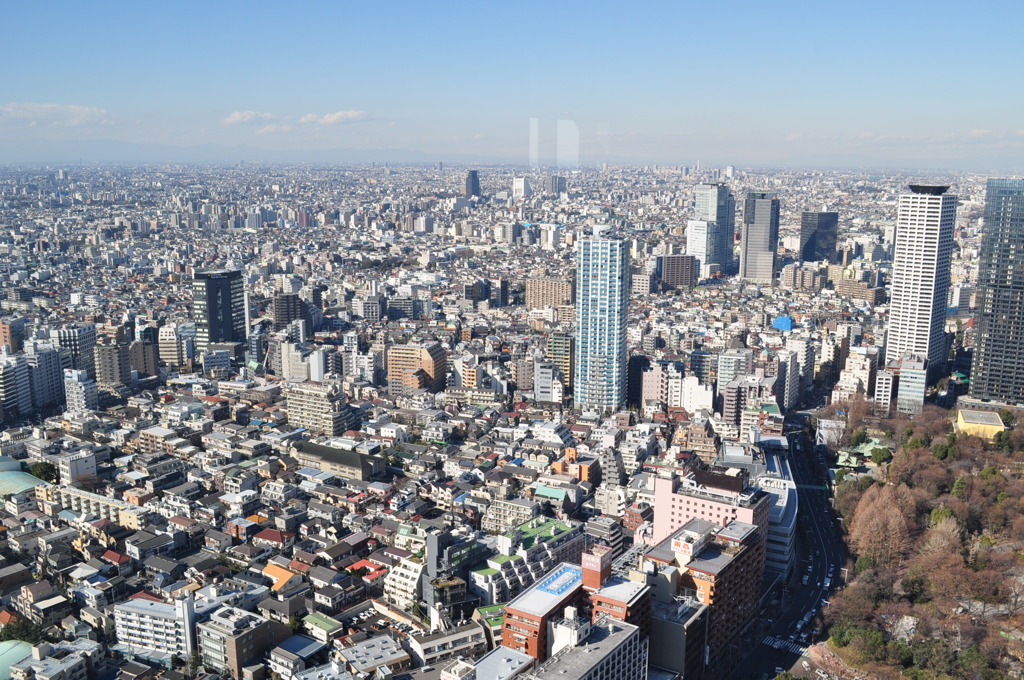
(300, 422)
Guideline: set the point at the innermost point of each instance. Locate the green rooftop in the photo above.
(322, 621)
(547, 528)
(502, 559)
(870, 445)
(493, 615)
(486, 571)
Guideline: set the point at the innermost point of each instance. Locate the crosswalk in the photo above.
(783, 644)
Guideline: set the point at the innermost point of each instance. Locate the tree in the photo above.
(44, 471)
(24, 630)
(880, 455)
(880, 527)
(295, 623)
(1007, 416)
(960, 487)
(859, 437)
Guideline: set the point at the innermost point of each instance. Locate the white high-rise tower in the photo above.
(709, 235)
(602, 302)
(920, 276)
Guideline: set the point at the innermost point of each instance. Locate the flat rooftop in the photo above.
(502, 663)
(622, 590)
(981, 418)
(605, 638)
(548, 593)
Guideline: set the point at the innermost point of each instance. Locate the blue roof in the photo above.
(302, 646)
(561, 580)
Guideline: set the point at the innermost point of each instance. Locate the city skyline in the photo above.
(337, 84)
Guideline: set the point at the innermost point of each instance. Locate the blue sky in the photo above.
(897, 84)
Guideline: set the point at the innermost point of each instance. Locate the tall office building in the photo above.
(113, 366)
(80, 339)
(472, 184)
(999, 326)
(680, 271)
(556, 185)
(15, 386)
(218, 307)
(920, 276)
(288, 307)
(80, 391)
(759, 240)
(414, 366)
(561, 351)
(521, 187)
(709, 234)
(46, 364)
(819, 232)
(602, 302)
(169, 345)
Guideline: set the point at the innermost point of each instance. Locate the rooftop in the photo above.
(549, 593)
(981, 418)
(605, 637)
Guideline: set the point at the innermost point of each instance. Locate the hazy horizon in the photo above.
(802, 85)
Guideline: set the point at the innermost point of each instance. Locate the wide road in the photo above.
(821, 559)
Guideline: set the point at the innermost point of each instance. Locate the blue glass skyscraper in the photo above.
(996, 373)
(602, 302)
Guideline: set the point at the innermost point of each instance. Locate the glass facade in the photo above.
(218, 299)
(999, 325)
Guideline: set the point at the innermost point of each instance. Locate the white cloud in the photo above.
(271, 129)
(246, 117)
(56, 115)
(332, 118)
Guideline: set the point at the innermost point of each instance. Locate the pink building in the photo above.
(715, 496)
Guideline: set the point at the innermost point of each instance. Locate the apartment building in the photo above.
(54, 498)
(549, 292)
(233, 638)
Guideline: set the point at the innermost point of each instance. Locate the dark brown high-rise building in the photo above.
(288, 307)
(680, 271)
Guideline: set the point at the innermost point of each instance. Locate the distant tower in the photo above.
(920, 276)
(472, 183)
(819, 232)
(999, 326)
(218, 301)
(709, 235)
(760, 237)
(602, 301)
(521, 188)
